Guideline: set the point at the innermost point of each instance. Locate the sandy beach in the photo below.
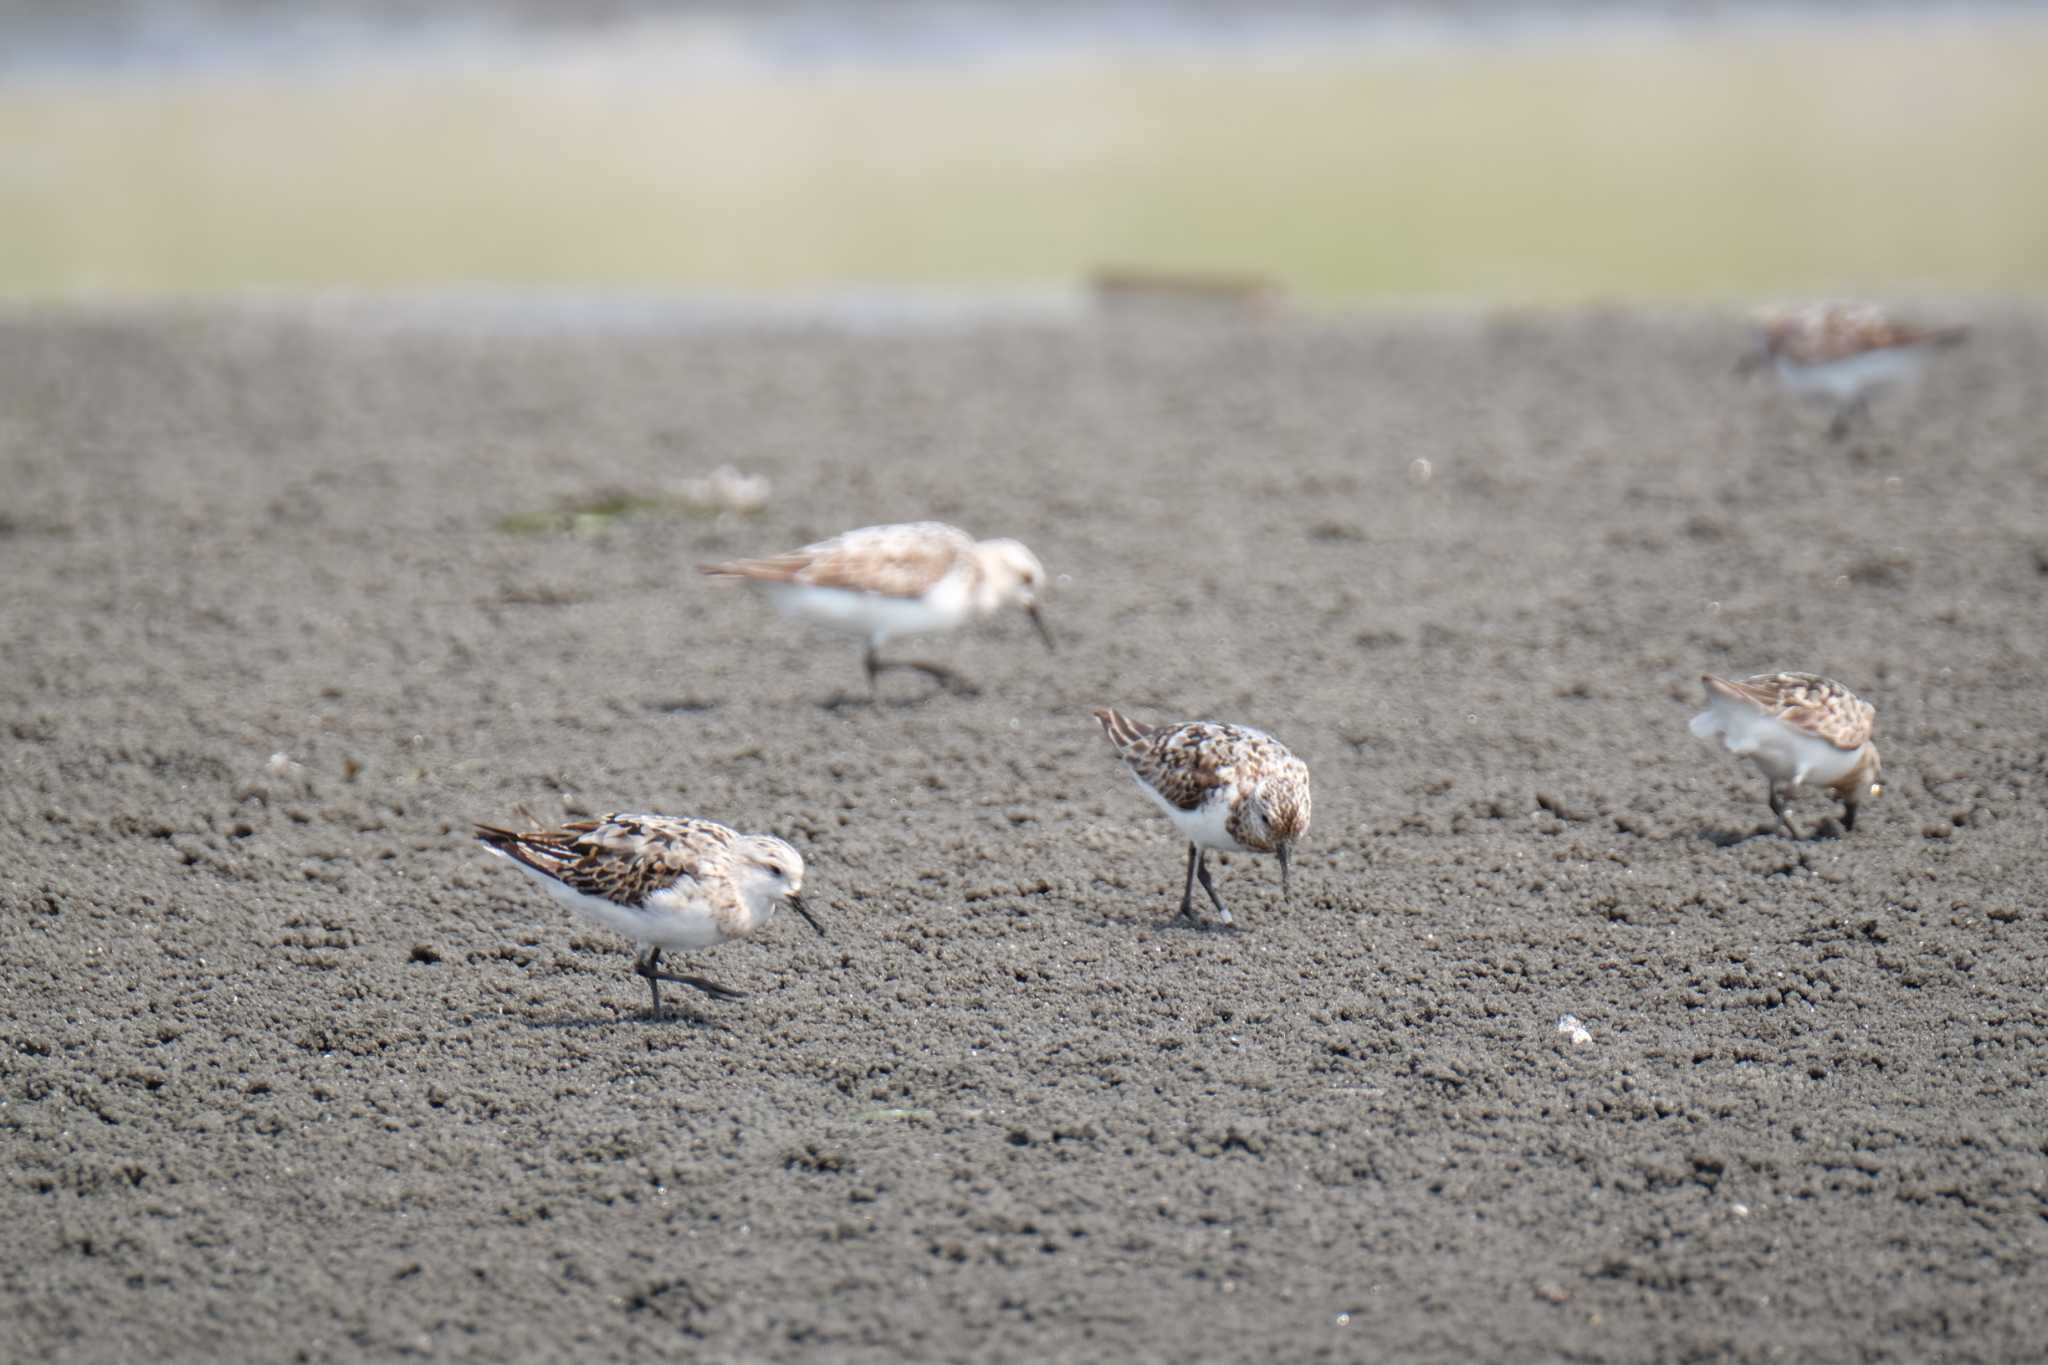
(293, 1070)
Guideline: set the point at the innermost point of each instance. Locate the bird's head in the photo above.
(772, 873)
(1010, 573)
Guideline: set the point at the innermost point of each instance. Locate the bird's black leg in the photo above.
(1848, 817)
(944, 676)
(645, 967)
(710, 988)
(1202, 875)
(1778, 809)
(648, 966)
(1847, 415)
(1187, 897)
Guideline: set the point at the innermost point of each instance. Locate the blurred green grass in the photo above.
(1681, 165)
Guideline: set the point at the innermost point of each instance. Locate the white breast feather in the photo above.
(879, 618)
(1845, 378)
(1786, 754)
(1204, 825)
(671, 919)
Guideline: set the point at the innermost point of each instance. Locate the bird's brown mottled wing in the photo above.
(889, 561)
(621, 858)
(1817, 705)
(1183, 763)
(1824, 333)
(774, 569)
(1837, 716)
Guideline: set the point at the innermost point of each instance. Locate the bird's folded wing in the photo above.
(888, 561)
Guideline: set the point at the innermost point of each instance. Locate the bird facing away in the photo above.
(1845, 352)
(1224, 787)
(1798, 728)
(661, 881)
(883, 582)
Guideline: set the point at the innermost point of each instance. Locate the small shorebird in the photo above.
(1844, 351)
(1799, 728)
(887, 581)
(1225, 787)
(662, 882)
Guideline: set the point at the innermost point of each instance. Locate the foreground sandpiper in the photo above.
(664, 882)
(883, 582)
(1224, 787)
(1799, 728)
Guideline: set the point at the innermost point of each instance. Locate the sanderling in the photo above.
(1844, 351)
(1224, 787)
(662, 882)
(887, 581)
(1799, 728)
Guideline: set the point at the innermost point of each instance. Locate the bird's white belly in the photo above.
(879, 618)
(1204, 825)
(1785, 754)
(1844, 379)
(669, 920)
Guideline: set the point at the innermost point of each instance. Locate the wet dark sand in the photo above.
(292, 1070)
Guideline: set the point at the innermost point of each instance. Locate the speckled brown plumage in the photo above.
(1186, 764)
(1818, 334)
(1224, 787)
(885, 582)
(622, 858)
(1195, 762)
(1806, 701)
(889, 561)
(666, 882)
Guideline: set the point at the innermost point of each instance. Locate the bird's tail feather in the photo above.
(1122, 730)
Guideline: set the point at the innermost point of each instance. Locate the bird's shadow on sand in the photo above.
(859, 701)
(943, 682)
(1170, 923)
(1826, 831)
(673, 1018)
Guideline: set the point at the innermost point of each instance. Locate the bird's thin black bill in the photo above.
(796, 904)
(1044, 631)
